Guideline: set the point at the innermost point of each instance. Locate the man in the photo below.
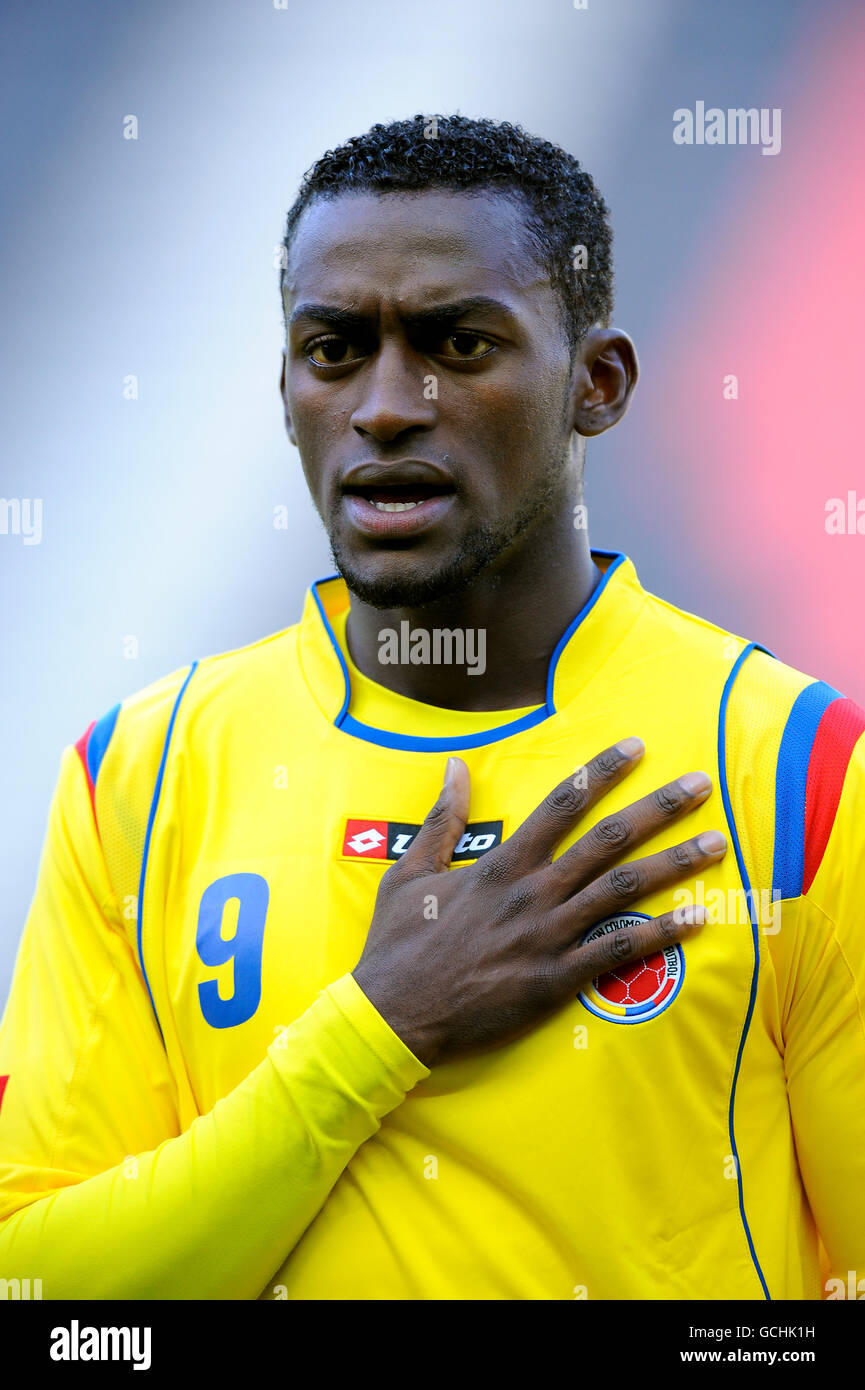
(277, 1028)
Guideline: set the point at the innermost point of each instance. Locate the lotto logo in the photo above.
(368, 840)
(388, 839)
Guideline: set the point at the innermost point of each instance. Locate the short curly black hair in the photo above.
(567, 218)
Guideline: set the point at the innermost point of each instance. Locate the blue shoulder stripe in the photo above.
(791, 778)
(97, 744)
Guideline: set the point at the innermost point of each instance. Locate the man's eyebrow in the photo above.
(457, 309)
(420, 318)
(328, 313)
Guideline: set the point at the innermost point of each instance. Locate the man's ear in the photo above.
(606, 371)
(289, 427)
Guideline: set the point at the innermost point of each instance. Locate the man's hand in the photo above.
(504, 948)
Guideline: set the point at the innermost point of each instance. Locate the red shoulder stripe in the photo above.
(838, 732)
(81, 750)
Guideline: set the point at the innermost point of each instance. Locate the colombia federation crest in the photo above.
(641, 990)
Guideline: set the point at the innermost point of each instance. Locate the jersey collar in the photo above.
(581, 652)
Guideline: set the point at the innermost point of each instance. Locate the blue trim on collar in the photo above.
(333, 642)
(416, 743)
(617, 558)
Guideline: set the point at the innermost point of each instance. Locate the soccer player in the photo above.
(277, 1028)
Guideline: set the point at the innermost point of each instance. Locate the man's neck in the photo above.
(510, 623)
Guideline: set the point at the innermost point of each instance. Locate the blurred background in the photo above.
(154, 258)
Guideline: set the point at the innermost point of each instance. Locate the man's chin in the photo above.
(403, 581)
(409, 578)
(409, 587)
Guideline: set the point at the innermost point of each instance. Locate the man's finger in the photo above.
(622, 831)
(431, 849)
(533, 842)
(625, 884)
(588, 960)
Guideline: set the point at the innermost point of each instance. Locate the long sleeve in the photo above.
(101, 1195)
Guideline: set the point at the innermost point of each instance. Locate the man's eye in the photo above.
(332, 352)
(468, 345)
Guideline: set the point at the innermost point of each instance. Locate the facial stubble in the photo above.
(478, 551)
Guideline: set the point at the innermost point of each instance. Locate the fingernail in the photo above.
(450, 769)
(693, 916)
(711, 842)
(630, 747)
(694, 782)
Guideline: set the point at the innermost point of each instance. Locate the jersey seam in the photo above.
(110, 900)
(82, 1055)
(206, 661)
(841, 953)
(695, 618)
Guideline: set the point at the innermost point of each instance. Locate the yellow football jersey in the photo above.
(198, 1101)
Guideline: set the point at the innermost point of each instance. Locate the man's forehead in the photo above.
(429, 247)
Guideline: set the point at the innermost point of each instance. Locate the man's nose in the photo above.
(399, 393)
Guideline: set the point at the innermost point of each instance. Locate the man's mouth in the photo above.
(398, 509)
(399, 497)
